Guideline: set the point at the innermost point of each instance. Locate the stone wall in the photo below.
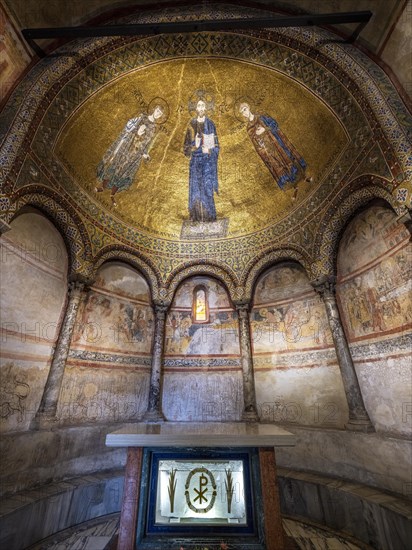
(398, 49)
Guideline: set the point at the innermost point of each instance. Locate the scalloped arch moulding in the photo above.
(340, 76)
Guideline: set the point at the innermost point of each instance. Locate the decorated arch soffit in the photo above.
(79, 124)
(67, 221)
(358, 195)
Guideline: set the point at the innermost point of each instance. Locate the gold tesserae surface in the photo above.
(249, 197)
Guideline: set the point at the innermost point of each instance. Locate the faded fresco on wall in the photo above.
(374, 293)
(116, 314)
(33, 254)
(108, 393)
(108, 369)
(375, 274)
(297, 375)
(185, 337)
(169, 159)
(202, 372)
(287, 314)
(204, 397)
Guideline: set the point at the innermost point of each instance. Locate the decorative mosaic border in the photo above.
(201, 362)
(400, 344)
(368, 105)
(292, 359)
(100, 357)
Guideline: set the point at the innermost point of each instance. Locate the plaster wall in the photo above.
(207, 395)
(35, 458)
(107, 373)
(14, 56)
(33, 291)
(397, 52)
(202, 375)
(374, 292)
(372, 459)
(297, 375)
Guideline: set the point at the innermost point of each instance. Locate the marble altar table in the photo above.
(209, 435)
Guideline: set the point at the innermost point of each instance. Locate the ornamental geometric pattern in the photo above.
(269, 259)
(344, 207)
(358, 92)
(69, 224)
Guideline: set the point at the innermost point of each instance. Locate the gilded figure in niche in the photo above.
(284, 162)
(122, 160)
(201, 146)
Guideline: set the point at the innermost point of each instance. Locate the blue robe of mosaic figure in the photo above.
(203, 180)
(281, 157)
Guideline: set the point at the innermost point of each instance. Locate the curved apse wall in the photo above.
(297, 374)
(33, 292)
(202, 372)
(374, 291)
(107, 373)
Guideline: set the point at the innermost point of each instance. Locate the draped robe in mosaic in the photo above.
(203, 182)
(277, 152)
(122, 160)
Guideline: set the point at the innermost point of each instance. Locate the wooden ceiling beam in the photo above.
(360, 17)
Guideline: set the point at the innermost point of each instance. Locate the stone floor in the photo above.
(97, 534)
(101, 534)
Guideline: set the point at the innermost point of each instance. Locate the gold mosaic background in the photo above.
(248, 195)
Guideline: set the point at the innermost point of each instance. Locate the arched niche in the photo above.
(202, 372)
(33, 293)
(374, 294)
(107, 372)
(297, 376)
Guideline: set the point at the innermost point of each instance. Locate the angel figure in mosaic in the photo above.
(284, 162)
(120, 163)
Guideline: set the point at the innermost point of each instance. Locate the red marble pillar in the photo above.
(130, 504)
(274, 535)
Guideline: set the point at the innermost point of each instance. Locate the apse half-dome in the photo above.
(267, 163)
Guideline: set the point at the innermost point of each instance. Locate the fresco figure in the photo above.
(202, 147)
(282, 159)
(119, 165)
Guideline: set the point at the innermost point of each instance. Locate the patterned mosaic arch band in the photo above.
(347, 83)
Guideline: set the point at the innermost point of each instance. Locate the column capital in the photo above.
(75, 288)
(242, 307)
(325, 286)
(160, 308)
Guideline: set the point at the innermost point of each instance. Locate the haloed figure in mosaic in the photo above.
(280, 156)
(202, 147)
(120, 164)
